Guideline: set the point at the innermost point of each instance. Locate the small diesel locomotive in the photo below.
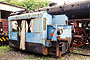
(40, 32)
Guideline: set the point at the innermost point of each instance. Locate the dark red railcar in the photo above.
(5, 25)
(3, 31)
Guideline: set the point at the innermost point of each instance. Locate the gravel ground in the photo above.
(7, 53)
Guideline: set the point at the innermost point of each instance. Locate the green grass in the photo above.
(40, 58)
(4, 48)
(43, 58)
(62, 58)
(31, 57)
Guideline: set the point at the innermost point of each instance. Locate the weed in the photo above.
(16, 59)
(62, 58)
(2, 53)
(59, 59)
(54, 59)
(31, 57)
(43, 58)
(4, 48)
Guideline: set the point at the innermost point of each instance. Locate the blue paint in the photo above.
(72, 26)
(65, 27)
(48, 44)
(59, 20)
(14, 36)
(54, 38)
(50, 29)
(34, 37)
(9, 28)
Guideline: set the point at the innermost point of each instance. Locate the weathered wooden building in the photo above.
(6, 9)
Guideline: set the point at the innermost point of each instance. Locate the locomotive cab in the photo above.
(40, 32)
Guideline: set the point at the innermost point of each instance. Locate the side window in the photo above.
(66, 22)
(29, 25)
(19, 23)
(14, 26)
(44, 23)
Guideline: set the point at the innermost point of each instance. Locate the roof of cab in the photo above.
(27, 16)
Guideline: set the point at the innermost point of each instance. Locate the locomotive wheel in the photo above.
(79, 41)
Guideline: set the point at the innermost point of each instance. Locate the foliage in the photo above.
(29, 4)
(43, 58)
(4, 48)
(31, 57)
